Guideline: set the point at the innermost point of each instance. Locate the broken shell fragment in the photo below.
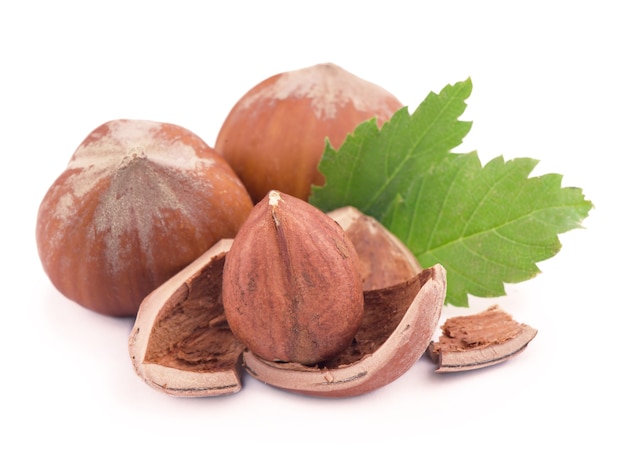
(479, 340)
(397, 326)
(181, 343)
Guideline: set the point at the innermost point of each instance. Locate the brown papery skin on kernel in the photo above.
(292, 289)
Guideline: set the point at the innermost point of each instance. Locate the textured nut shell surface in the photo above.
(384, 259)
(487, 356)
(399, 351)
(480, 340)
(292, 289)
(138, 201)
(160, 363)
(275, 134)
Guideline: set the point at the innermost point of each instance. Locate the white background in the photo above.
(548, 83)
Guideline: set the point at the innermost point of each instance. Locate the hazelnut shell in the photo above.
(275, 135)
(138, 201)
(383, 259)
(180, 343)
(479, 340)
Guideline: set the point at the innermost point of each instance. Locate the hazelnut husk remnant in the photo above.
(292, 288)
(138, 201)
(275, 135)
(479, 340)
(181, 343)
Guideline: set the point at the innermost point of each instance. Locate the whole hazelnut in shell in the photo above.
(292, 289)
(138, 201)
(275, 135)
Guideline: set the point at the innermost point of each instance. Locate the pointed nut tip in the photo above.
(274, 198)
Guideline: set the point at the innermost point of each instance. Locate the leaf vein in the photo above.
(462, 238)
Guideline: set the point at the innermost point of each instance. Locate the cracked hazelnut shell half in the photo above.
(180, 343)
(275, 135)
(397, 327)
(138, 201)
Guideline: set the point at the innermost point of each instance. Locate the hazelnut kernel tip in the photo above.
(274, 198)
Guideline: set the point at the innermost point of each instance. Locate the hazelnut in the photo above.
(275, 134)
(138, 202)
(292, 289)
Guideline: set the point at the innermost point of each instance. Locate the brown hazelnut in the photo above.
(275, 134)
(139, 201)
(292, 289)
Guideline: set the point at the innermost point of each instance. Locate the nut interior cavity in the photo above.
(383, 312)
(190, 331)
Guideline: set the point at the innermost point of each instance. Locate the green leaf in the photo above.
(486, 225)
(375, 165)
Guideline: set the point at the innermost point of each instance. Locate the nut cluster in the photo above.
(221, 260)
